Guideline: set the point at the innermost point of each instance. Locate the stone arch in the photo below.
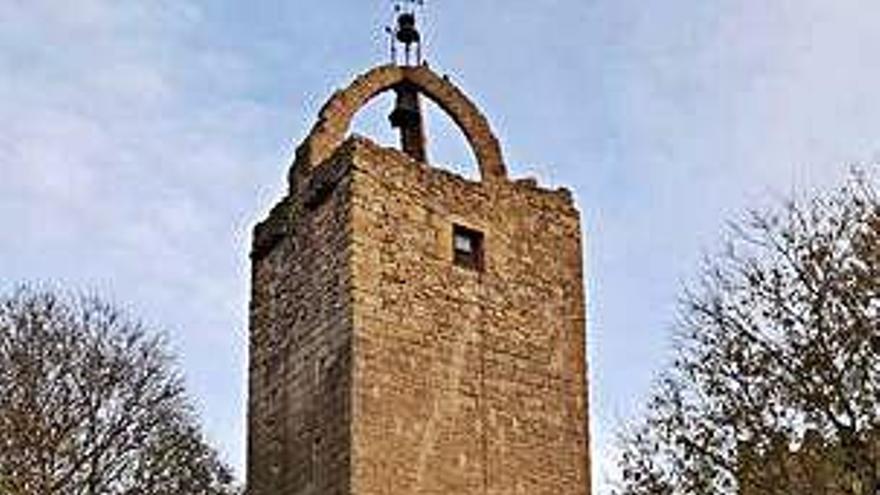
(336, 115)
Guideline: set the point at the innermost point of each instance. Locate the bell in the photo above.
(407, 116)
(406, 29)
(406, 113)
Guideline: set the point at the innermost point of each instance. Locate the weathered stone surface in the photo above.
(300, 345)
(379, 365)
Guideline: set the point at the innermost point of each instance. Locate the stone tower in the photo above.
(411, 331)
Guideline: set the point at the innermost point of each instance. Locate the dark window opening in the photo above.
(274, 400)
(467, 247)
(315, 458)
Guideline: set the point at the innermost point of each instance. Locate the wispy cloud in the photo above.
(134, 162)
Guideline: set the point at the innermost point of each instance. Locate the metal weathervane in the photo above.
(405, 32)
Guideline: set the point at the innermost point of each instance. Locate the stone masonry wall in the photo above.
(464, 381)
(300, 342)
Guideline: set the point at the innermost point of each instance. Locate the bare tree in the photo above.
(91, 404)
(775, 388)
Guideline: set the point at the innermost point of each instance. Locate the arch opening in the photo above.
(336, 117)
(372, 120)
(447, 147)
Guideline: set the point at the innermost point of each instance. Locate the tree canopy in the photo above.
(91, 403)
(775, 385)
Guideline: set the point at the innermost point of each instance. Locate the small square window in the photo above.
(467, 247)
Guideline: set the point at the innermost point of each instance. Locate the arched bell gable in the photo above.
(336, 115)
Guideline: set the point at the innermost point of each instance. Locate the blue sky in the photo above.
(142, 140)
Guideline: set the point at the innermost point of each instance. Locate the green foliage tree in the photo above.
(91, 403)
(775, 385)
